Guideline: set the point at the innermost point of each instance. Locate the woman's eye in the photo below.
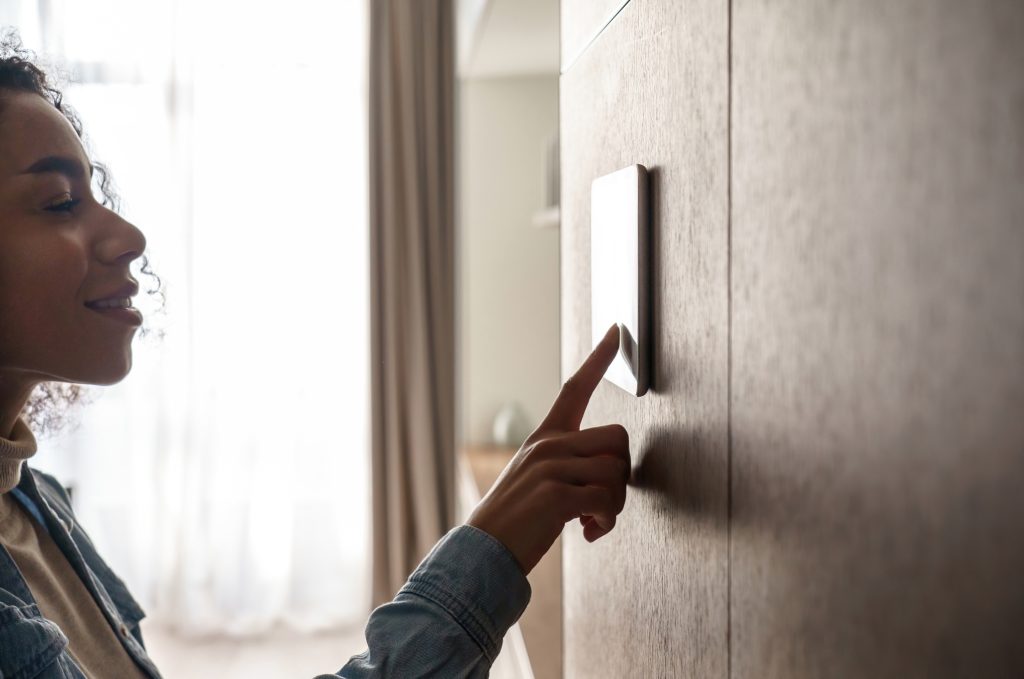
(64, 203)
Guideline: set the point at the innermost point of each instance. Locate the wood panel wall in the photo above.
(651, 89)
(878, 339)
(838, 229)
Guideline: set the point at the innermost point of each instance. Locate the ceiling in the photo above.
(512, 37)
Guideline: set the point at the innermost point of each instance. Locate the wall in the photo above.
(878, 339)
(828, 466)
(508, 267)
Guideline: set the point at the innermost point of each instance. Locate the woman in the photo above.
(66, 318)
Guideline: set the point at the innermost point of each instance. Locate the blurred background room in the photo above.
(508, 277)
(238, 138)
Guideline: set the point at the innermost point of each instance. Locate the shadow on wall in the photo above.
(669, 475)
(673, 471)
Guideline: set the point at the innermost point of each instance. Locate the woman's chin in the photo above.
(102, 375)
(113, 377)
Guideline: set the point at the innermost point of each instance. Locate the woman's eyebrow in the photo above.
(69, 167)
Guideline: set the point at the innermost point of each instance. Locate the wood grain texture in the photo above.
(878, 339)
(581, 21)
(649, 600)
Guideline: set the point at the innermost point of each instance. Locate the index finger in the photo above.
(567, 411)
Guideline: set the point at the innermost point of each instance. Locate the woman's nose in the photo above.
(120, 240)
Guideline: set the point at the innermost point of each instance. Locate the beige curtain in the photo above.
(412, 283)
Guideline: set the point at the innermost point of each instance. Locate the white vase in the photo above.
(511, 427)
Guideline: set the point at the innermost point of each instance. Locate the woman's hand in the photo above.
(561, 473)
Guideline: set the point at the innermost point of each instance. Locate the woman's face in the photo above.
(59, 249)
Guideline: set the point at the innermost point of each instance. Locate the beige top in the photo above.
(13, 451)
(61, 595)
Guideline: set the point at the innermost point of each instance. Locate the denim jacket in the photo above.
(447, 621)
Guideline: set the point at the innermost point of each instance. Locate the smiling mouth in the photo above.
(112, 303)
(119, 310)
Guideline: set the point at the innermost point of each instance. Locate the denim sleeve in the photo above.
(449, 619)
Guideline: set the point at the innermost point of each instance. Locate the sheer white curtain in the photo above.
(226, 478)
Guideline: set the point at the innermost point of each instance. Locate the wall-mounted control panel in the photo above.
(620, 272)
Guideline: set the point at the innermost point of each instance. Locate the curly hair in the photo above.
(47, 407)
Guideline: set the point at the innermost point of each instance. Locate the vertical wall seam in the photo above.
(728, 387)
